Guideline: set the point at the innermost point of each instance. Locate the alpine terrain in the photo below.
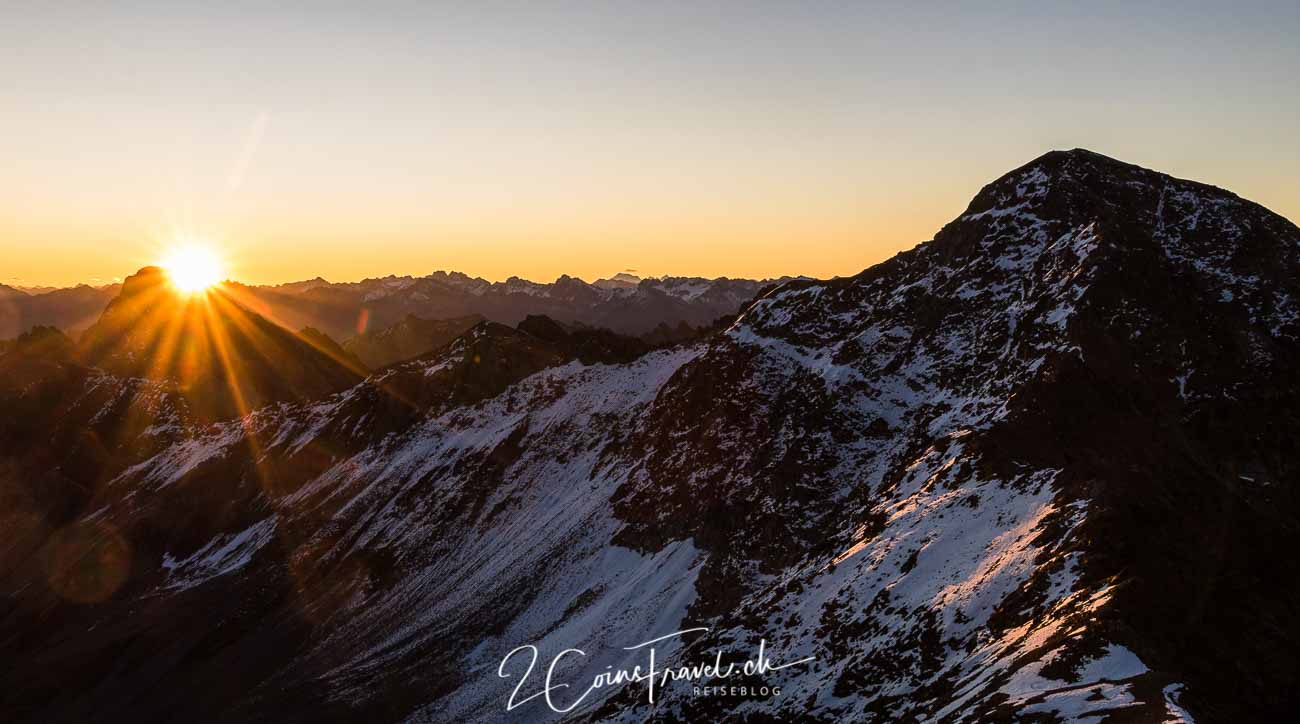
(625, 304)
(1041, 468)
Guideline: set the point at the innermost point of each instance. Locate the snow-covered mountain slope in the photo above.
(1036, 469)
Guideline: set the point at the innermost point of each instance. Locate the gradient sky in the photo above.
(533, 139)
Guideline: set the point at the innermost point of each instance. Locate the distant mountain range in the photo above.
(72, 309)
(39, 289)
(624, 304)
(665, 308)
(1040, 468)
(222, 359)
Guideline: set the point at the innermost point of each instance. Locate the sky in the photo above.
(756, 139)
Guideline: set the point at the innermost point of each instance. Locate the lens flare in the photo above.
(193, 269)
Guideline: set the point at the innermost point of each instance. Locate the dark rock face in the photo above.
(1040, 468)
(332, 349)
(407, 339)
(224, 359)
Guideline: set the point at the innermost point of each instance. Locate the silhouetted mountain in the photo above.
(36, 289)
(407, 339)
(225, 359)
(622, 280)
(71, 310)
(1040, 468)
(348, 309)
(625, 304)
(332, 349)
(46, 343)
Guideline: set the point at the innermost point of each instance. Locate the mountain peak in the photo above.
(621, 280)
(1066, 190)
(1080, 168)
(223, 357)
(147, 278)
(1038, 468)
(1057, 160)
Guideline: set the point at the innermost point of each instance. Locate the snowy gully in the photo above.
(655, 675)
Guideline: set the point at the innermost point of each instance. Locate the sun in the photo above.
(192, 269)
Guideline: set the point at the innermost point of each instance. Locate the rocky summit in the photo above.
(1040, 468)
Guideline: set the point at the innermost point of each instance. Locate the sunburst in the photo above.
(193, 268)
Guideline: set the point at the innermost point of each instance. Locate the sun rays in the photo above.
(193, 268)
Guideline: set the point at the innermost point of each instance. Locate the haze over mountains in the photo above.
(1040, 468)
(407, 339)
(343, 310)
(663, 309)
(72, 309)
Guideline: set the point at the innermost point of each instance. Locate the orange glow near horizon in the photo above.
(193, 268)
(589, 139)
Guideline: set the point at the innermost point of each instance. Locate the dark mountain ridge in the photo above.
(72, 309)
(344, 310)
(225, 359)
(407, 339)
(1040, 468)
